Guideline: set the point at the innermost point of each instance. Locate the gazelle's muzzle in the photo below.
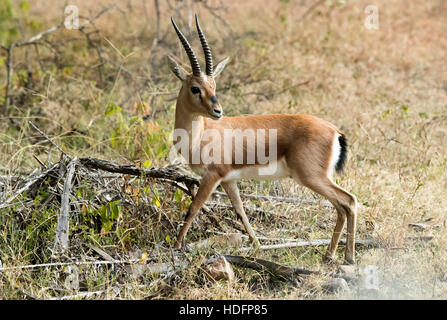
(215, 110)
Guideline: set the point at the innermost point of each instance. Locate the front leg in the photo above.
(208, 184)
(232, 191)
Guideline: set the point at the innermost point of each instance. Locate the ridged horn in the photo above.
(189, 51)
(206, 49)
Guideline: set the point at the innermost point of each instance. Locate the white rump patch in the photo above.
(335, 155)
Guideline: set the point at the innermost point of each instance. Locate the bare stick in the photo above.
(157, 12)
(74, 263)
(310, 243)
(51, 141)
(64, 217)
(311, 8)
(9, 72)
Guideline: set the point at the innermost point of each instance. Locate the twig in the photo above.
(9, 72)
(28, 185)
(311, 8)
(373, 243)
(82, 295)
(38, 36)
(72, 263)
(157, 12)
(51, 141)
(34, 40)
(297, 244)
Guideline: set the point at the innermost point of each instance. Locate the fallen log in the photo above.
(286, 273)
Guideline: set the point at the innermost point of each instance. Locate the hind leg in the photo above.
(330, 253)
(346, 207)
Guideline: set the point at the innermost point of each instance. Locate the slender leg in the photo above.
(351, 227)
(330, 253)
(208, 184)
(346, 206)
(232, 191)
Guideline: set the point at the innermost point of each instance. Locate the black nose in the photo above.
(217, 111)
(214, 99)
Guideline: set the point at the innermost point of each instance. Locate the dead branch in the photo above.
(286, 273)
(164, 173)
(35, 40)
(50, 140)
(61, 239)
(158, 34)
(310, 243)
(271, 267)
(9, 72)
(31, 183)
(371, 243)
(311, 8)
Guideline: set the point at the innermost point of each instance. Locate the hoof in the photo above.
(177, 246)
(329, 260)
(349, 261)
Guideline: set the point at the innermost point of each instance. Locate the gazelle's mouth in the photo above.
(216, 114)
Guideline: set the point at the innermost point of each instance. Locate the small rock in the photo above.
(220, 269)
(335, 285)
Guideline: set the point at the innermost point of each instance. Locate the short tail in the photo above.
(343, 153)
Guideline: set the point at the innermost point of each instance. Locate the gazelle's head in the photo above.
(198, 91)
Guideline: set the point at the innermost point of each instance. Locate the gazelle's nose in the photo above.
(214, 100)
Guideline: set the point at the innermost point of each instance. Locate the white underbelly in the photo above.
(272, 171)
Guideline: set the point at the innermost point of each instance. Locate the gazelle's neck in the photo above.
(192, 123)
(185, 119)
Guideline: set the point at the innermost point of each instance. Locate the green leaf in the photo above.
(147, 164)
(112, 109)
(24, 5)
(114, 210)
(423, 115)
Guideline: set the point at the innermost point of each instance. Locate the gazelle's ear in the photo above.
(176, 69)
(220, 66)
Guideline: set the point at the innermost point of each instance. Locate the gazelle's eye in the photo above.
(195, 90)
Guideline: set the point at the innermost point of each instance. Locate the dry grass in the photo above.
(386, 89)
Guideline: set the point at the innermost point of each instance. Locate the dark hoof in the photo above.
(349, 261)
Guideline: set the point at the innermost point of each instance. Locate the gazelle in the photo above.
(308, 149)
